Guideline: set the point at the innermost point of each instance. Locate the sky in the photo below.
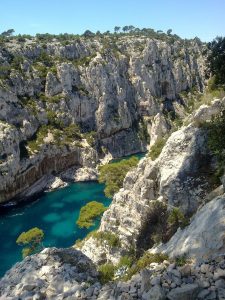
(187, 18)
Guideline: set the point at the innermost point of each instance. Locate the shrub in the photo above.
(177, 219)
(181, 260)
(145, 261)
(156, 149)
(106, 273)
(111, 239)
(125, 261)
(32, 238)
(113, 174)
(89, 212)
(216, 141)
(90, 137)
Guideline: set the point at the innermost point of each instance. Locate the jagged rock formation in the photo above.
(179, 177)
(115, 87)
(68, 274)
(206, 231)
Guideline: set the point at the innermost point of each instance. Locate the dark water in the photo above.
(55, 213)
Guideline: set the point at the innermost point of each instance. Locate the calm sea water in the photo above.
(55, 213)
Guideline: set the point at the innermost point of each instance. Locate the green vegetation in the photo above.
(106, 273)
(84, 61)
(216, 142)
(31, 239)
(89, 212)
(90, 137)
(35, 143)
(181, 260)
(144, 261)
(111, 239)
(160, 224)
(156, 149)
(113, 174)
(62, 135)
(177, 219)
(216, 59)
(126, 261)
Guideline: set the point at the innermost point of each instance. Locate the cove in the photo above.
(55, 213)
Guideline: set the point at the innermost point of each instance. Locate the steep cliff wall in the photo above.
(182, 176)
(119, 90)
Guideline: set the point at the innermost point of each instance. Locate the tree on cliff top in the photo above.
(216, 59)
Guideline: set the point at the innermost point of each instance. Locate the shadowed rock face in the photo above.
(122, 95)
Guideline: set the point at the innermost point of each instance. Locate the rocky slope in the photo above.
(118, 90)
(179, 177)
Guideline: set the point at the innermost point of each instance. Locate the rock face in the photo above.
(68, 274)
(179, 177)
(204, 237)
(121, 90)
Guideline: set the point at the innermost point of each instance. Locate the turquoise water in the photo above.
(55, 212)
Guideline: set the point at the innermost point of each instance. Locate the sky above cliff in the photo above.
(202, 18)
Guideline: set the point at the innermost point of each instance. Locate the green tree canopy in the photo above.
(216, 59)
(113, 174)
(89, 212)
(32, 239)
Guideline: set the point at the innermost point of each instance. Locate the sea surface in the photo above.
(55, 213)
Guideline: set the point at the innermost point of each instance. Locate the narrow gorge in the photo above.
(67, 108)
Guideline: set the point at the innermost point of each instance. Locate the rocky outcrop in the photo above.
(68, 274)
(122, 90)
(179, 177)
(204, 238)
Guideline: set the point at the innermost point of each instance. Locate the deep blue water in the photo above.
(55, 213)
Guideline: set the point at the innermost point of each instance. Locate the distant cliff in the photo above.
(60, 104)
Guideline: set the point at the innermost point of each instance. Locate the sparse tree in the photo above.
(88, 33)
(7, 33)
(117, 29)
(125, 28)
(169, 31)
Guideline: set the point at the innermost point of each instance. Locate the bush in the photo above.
(111, 239)
(216, 141)
(216, 59)
(90, 212)
(106, 273)
(181, 260)
(177, 219)
(145, 261)
(125, 261)
(32, 238)
(113, 174)
(90, 137)
(156, 149)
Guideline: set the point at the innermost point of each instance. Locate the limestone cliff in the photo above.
(180, 177)
(118, 90)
